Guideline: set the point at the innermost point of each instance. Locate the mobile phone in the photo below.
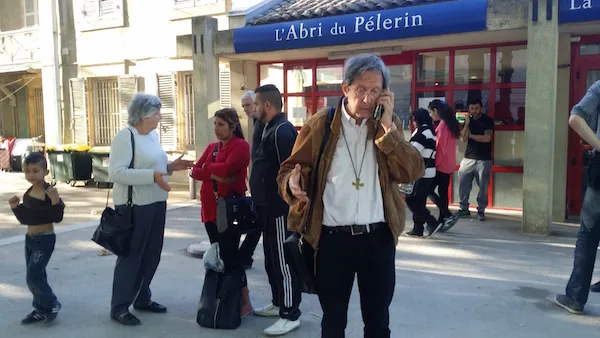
(378, 112)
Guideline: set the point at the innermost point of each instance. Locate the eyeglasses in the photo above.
(362, 92)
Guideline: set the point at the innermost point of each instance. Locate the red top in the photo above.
(232, 160)
(445, 157)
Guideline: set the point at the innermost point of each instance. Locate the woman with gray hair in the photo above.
(134, 272)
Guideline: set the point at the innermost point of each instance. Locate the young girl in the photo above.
(424, 139)
(447, 132)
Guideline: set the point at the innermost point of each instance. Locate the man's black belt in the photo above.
(356, 229)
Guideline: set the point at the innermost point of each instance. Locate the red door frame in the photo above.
(581, 64)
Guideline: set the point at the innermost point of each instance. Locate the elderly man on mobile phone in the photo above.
(357, 211)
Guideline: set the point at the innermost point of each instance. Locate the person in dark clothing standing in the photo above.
(251, 241)
(274, 138)
(477, 132)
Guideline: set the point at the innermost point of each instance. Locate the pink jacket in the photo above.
(445, 158)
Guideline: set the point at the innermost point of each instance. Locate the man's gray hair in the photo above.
(249, 94)
(142, 105)
(359, 64)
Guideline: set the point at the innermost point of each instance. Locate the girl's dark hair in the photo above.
(447, 115)
(230, 115)
(421, 116)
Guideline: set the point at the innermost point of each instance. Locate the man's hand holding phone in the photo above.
(387, 101)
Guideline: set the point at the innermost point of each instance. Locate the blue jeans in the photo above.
(38, 250)
(578, 287)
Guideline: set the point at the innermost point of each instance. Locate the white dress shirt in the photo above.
(343, 204)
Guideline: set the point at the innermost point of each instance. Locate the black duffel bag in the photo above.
(219, 306)
(116, 225)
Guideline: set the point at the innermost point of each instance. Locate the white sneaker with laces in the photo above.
(267, 311)
(281, 327)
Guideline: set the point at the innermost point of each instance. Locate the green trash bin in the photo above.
(70, 164)
(100, 157)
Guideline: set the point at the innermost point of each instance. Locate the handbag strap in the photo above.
(131, 166)
(215, 187)
(315, 173)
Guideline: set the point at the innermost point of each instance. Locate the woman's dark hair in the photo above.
(421, 116)
(447, 115)
(230, 115)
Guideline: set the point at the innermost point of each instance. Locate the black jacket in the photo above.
(269, 150)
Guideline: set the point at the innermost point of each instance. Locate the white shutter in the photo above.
(107, 8)
(225, 87)
(91, 10)
(183, 3)
(168, 124)
(79, 125)
(31, 13)
(128, 87)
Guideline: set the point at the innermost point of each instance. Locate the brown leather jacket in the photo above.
(398, 160)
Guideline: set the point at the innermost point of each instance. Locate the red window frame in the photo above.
(410, 57)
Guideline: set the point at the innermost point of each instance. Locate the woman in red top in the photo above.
(447, 132)
(224, 164)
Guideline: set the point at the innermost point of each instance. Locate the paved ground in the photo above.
(83, 203)
(482, 280)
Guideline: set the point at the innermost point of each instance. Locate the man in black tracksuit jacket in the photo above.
(272, 143)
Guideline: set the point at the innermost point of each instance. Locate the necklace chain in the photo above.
(356, 175)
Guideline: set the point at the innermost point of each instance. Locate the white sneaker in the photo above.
(267, 311)
(282, 327)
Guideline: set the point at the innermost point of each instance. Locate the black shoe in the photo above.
(463, 213)
(481, 216)
(595, 287)
(152, 307)
(52, 314)
(34, 317)
(568, 304)
(414, 233)
(126, 319)
(432, 230)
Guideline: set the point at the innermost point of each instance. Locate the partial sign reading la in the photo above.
(579, 11)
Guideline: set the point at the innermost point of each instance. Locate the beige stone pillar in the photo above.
(546, 127)
(206, 83)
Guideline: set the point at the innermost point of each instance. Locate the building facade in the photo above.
(21, 97)
(529, 61)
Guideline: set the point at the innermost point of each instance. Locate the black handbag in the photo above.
(300, 253)
(116, 225)
(233, 211)
(219, 306)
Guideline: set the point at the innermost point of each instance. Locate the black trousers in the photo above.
(229, 242)
(442, 183)
(134, 273)
(246, 250)
(38, 250)
(285, 284)
(371, 257)
(417, 204)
